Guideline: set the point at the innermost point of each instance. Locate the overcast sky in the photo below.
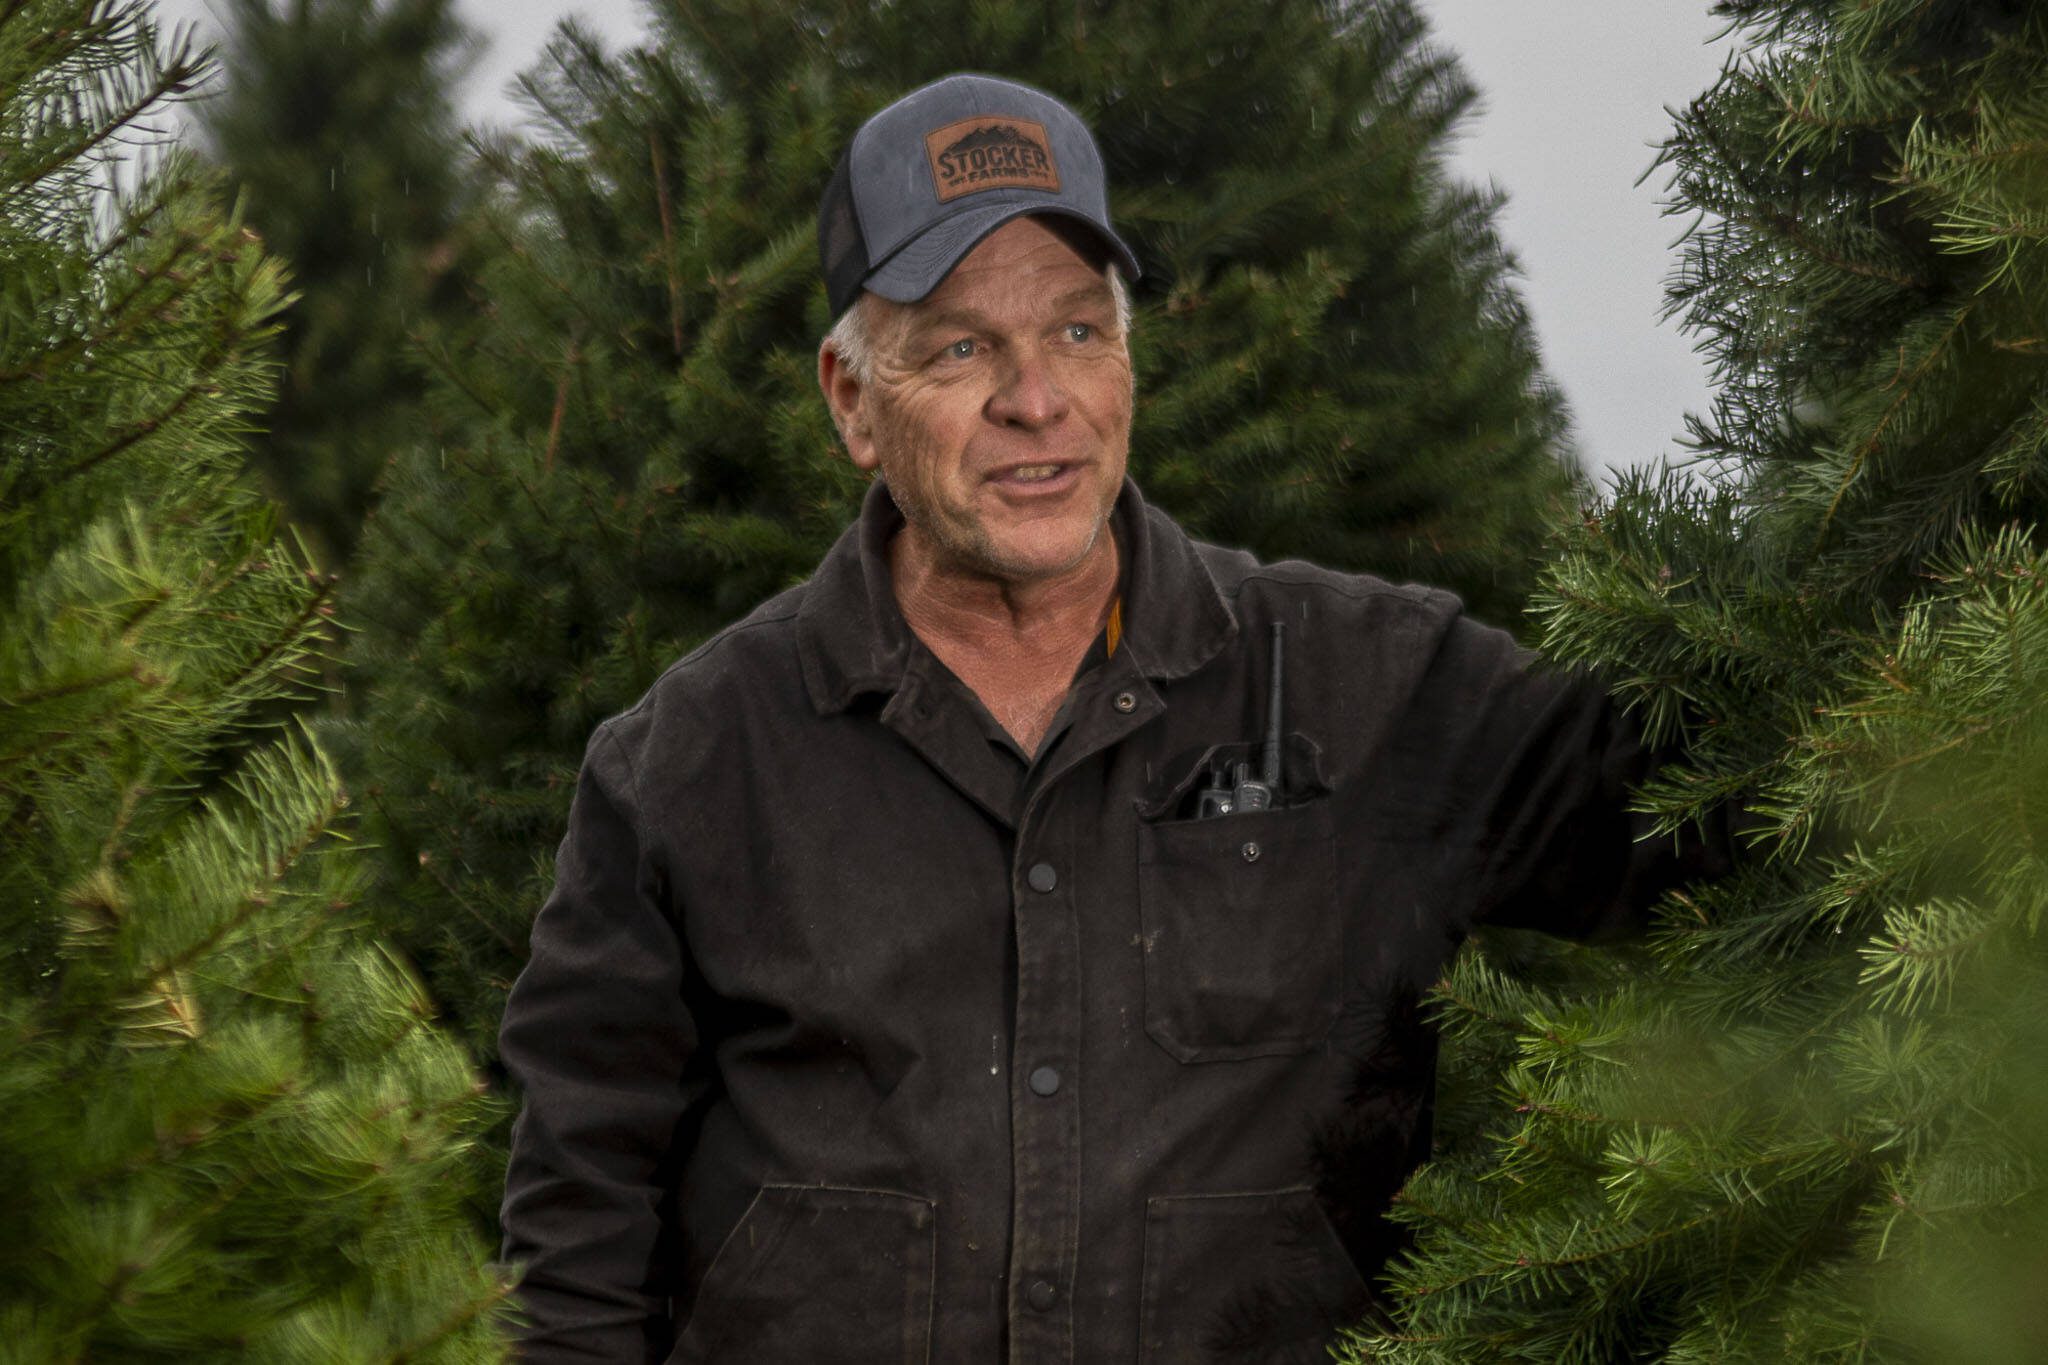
(1573, 103)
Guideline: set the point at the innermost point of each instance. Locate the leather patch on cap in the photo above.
(990, 153)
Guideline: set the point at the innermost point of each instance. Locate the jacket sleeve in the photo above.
(1552, 762)
(597, 1036)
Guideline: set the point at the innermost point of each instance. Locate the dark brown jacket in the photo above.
(848, 1036)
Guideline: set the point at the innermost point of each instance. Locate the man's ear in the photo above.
(847, 399)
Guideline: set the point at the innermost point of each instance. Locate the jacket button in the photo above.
(1041, 1295)
(1250, 850)
(1041, 877)
(1125, 702)
(1044, 1081)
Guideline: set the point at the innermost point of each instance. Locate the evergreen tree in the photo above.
(229, 1128)
(335, 118)
(1802, 1122)
(1330, 362)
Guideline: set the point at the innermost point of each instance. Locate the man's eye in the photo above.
(963, 349)
(1080, 331)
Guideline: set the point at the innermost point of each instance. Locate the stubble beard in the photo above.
(964, 548)
(962, 545)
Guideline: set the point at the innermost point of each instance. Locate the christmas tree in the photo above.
(229, 1126)
(1330, 362)
(1802, 1121)
(335, 119)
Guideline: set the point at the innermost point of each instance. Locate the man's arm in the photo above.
(597, 1036)
(1552, 762)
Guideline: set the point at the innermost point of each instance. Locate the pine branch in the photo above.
(1902, 391)
(569, 364)
(424, 1349)
(202, 386)
(1651, 1238)
(297, 635)
(175, 79)
(255, 901)
(668, 245)
(127, 320)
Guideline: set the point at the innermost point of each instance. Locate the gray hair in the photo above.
(852, 337)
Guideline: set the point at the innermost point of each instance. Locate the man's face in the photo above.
(999, 409)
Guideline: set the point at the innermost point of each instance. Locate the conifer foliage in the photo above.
(1330, 363)
(335, 119)
(1804, 1123)
(228, 1128)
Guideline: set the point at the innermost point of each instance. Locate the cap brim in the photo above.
(916, 267)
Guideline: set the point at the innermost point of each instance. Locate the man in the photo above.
(1007, 945)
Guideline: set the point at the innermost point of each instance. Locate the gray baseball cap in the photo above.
(928, 177)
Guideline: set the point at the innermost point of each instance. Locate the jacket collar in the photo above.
(852, 638)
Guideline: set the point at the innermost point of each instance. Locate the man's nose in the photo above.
(1029, 394)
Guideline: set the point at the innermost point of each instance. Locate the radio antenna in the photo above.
(1269, 760)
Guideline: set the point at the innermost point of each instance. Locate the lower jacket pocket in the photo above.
(819, 1275)
(1258, 1276)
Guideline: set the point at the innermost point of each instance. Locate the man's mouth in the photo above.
(1040, 480)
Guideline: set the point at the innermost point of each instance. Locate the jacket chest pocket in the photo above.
(1242, 944)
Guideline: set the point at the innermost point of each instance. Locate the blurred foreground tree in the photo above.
(1330, 363)
(1803, 1122)
(335, 118)
(229, 1128)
